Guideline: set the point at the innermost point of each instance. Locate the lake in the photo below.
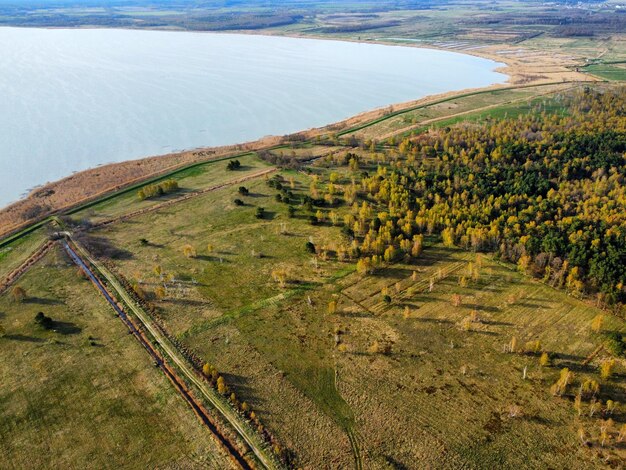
(75, 98)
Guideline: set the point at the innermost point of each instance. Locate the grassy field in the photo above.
(434, 368)
(543, 104)
(193, 179)
(316, 376)
(608, 48)
(88, 394)
(483, 104)
(615, 72)
(210, 292)
(13, 255)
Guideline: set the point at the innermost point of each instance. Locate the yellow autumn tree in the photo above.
(596, 323)
(189, 251)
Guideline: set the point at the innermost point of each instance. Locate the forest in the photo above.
(544, 190)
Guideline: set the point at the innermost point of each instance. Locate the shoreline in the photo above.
(61, 195)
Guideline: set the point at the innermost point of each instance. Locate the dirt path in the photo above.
(358, 463)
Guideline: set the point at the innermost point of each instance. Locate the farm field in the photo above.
(608, 48)
(608, 71)
(87, 394)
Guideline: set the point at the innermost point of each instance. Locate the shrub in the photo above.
(158, 189)
(233, 165)
(44, 321)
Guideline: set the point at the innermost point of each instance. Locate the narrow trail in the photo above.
(35, 256)
(171, 353)
(348, 425)
(197, 407)
(358, 463)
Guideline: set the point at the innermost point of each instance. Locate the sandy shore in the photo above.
(534, 68)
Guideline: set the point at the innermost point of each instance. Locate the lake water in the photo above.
(73, 99)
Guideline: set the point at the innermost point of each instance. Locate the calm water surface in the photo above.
(73, 99)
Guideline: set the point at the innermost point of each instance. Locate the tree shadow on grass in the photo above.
(443, 321)
(24, 338)
(481, 308)
(154, 245)
(496, 323)
(66, 328)
(42, 301)
(256, 195)
(393, 273)
(575, 366)
(103, 247)
(539, 420)
(356, 315)
(268, 215)
(492, 290)
(425, 262)
(188, 302)
(395, 464)
(569, 357)
(484, 332)
(243, 389)
(528, 305)
(424, 299)
(213, 259)
(613, 388)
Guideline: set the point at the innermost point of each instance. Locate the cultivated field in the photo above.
(608, 71)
